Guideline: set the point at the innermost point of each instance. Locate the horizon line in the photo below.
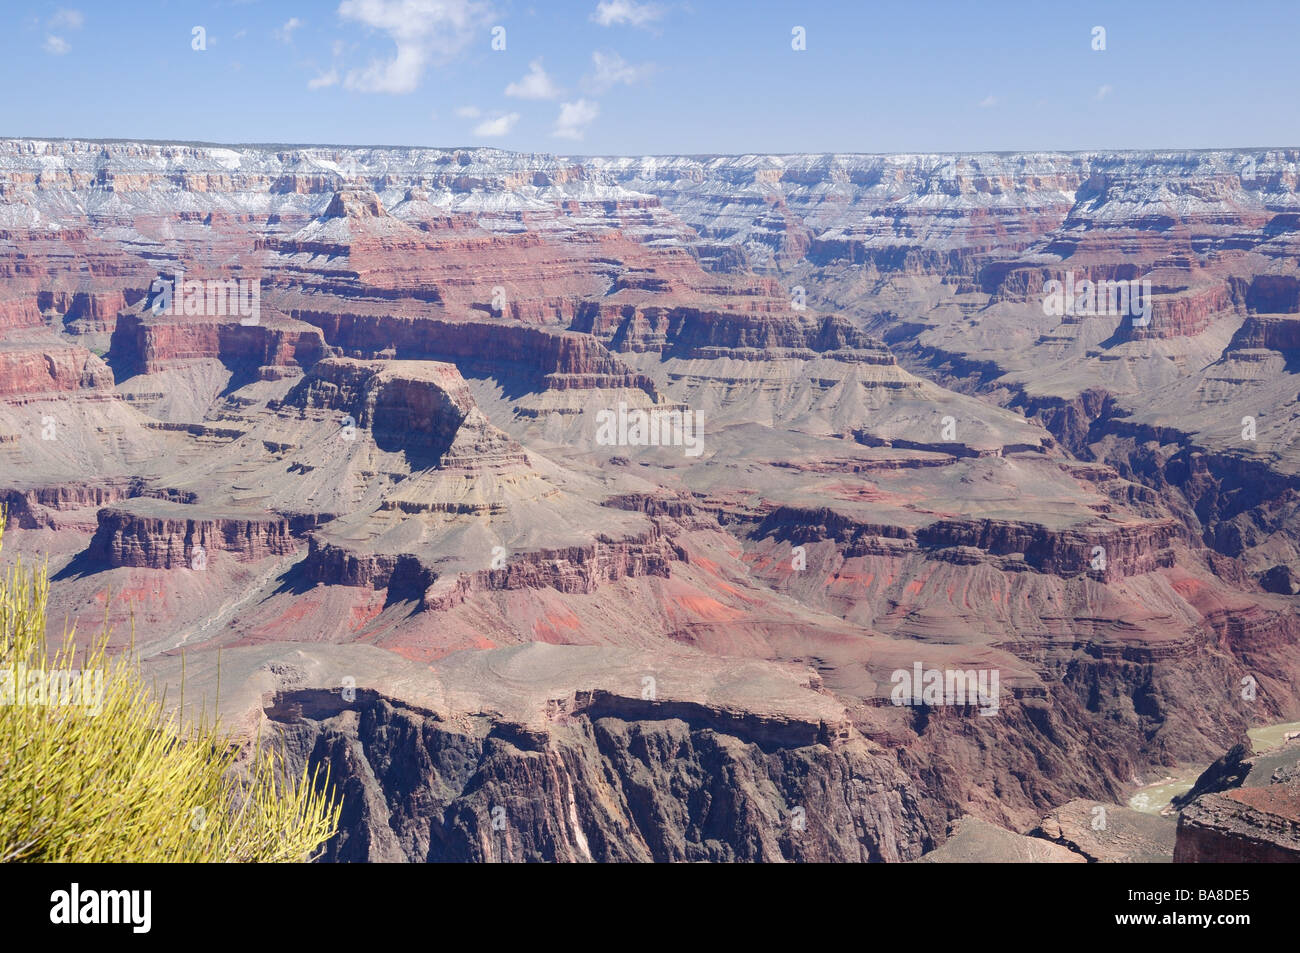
(204, 143)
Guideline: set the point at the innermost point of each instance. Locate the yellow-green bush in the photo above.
(93, 777)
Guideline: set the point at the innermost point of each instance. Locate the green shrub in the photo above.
(92, 770)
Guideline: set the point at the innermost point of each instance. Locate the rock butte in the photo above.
(394, 482)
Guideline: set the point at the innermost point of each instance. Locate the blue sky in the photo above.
(657, 76)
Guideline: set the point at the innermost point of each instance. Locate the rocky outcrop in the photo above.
(1280, 579)
(33, 507)
(614, 781)
(88, 310)
(26, 372)
(1109, 833)
(1104, 551)
(144, 344)
(1273, 332)
(1271, 294)
(538, 358)
(423, 408)
(1226, 773)
(973, 841)
(403, 575)
(1245, 826)
(156, 535)
(1229, 499)
(1112, 552)
(693, 333)
(1243, 809)
(355, 203)
(573, 569)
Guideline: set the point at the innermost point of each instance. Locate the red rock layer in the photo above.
(28, 372)
(144, 344)
(129, 538)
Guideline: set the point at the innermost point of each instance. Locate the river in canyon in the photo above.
(1155, 798)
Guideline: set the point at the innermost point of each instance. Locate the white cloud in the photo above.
(1104, 91)
(610, 69)
(56, 45)
(574, 119)
(987, 101)
(424, 32)
(324, 79)
(468, 112)
(614, 12)
(67, 20)
(498, 126)
(535, 85)
(285, 33)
